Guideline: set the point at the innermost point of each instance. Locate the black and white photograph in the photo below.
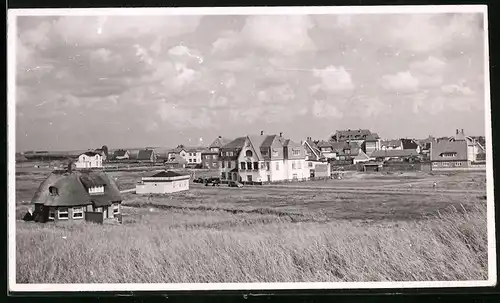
(249, 148)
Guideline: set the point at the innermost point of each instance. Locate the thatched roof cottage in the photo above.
(68, 195)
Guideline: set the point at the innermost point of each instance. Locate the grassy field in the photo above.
(268, 234)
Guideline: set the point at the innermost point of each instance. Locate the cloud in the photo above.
(277, 94)
(278, 34)
(401, 82)
(334, 79)
(460, 89)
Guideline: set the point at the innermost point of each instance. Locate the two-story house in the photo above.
(327, 150)
(392, 145)
(210, 156)
(357, 135)
(89, 159)
(264, 158)
(459, 151)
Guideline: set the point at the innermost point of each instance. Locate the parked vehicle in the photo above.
(234, 184)
(213, 181)
(199, 180)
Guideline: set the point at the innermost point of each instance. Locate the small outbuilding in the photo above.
(163, 182)
(68, 195)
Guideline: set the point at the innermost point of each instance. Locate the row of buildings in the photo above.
(267, 158)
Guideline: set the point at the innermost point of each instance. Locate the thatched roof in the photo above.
(72, 189)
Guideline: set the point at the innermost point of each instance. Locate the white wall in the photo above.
(162, 187)
(85, 161)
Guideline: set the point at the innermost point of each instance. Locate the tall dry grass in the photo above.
(451, 246)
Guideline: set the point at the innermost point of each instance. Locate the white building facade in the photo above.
(89, 160)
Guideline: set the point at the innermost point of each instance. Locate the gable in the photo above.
(249, 153)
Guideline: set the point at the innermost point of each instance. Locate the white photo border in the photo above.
(409, 9)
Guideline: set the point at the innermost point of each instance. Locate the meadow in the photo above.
(297, 232)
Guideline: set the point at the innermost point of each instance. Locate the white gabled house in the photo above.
(89, 160)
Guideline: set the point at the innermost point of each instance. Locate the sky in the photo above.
(131, 81)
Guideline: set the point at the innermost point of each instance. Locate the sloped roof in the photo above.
(207, 151)
(324, 143)
(268, 141)
(372, 137)
(90, 153)
(355, 134)
(313, 148)
(219, 142)
(458, 147)
(394, 153)
(167, 174)
(120, 153)
(361, 155)
(409, 144)
(340, 146)
(73, 192)
(236, 143)
(176, 159)
(256, 142)
(145, 154)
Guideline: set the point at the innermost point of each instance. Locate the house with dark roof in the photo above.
(449, 154)
(163, 182)
(410, 144)
(371, 143)
(89, 159)
(210, 155)
(474, 149)
(354, 135)
(264, 158)
(179, 150)
(67, 195)
(146, 155)
(327, 149)
(121, 154)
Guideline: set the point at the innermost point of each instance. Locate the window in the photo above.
(256, 165)
(296, 152)
(268, 165)
(214, 164)
(77, 212)
(277, 166)
(293, 164)
(62, 213)
(262, 165)
(243, 165)
(449, 155)
(53, 191)
(229, 164)
(299, 165)
(310, 164)
(222, 163)
(295, 176)
(52, 213)
(249, 165)
(116, 209)
(223, 176)
(214, 157)
(190, 160)
(248, 153)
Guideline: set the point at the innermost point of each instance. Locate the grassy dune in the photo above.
(222, 247)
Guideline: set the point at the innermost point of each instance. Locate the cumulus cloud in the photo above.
(460, 89)
(322, 109)
(401, 82)
(334, 79)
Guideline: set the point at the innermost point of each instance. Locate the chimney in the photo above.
(220, 137)
(281, 134)
(462, 131)
(457, 131)
(261, 132)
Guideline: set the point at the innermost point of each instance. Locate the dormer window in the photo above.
(95, 190)
(53, 191)
(248, 153)
(275, 152)
(449, 154)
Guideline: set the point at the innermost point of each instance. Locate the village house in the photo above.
(315, 161)
(89, 159)
(358, 136)
(371, 143)
(68, 195)
(162, 183)
(349, 153)
(193, 156)
(103, 154)
(410, 144)
(264, 158)
(210, 156)
(121, 154)
(179, 150)
(175, 162)
(146, 155)
(459, 151)
(327, 150)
